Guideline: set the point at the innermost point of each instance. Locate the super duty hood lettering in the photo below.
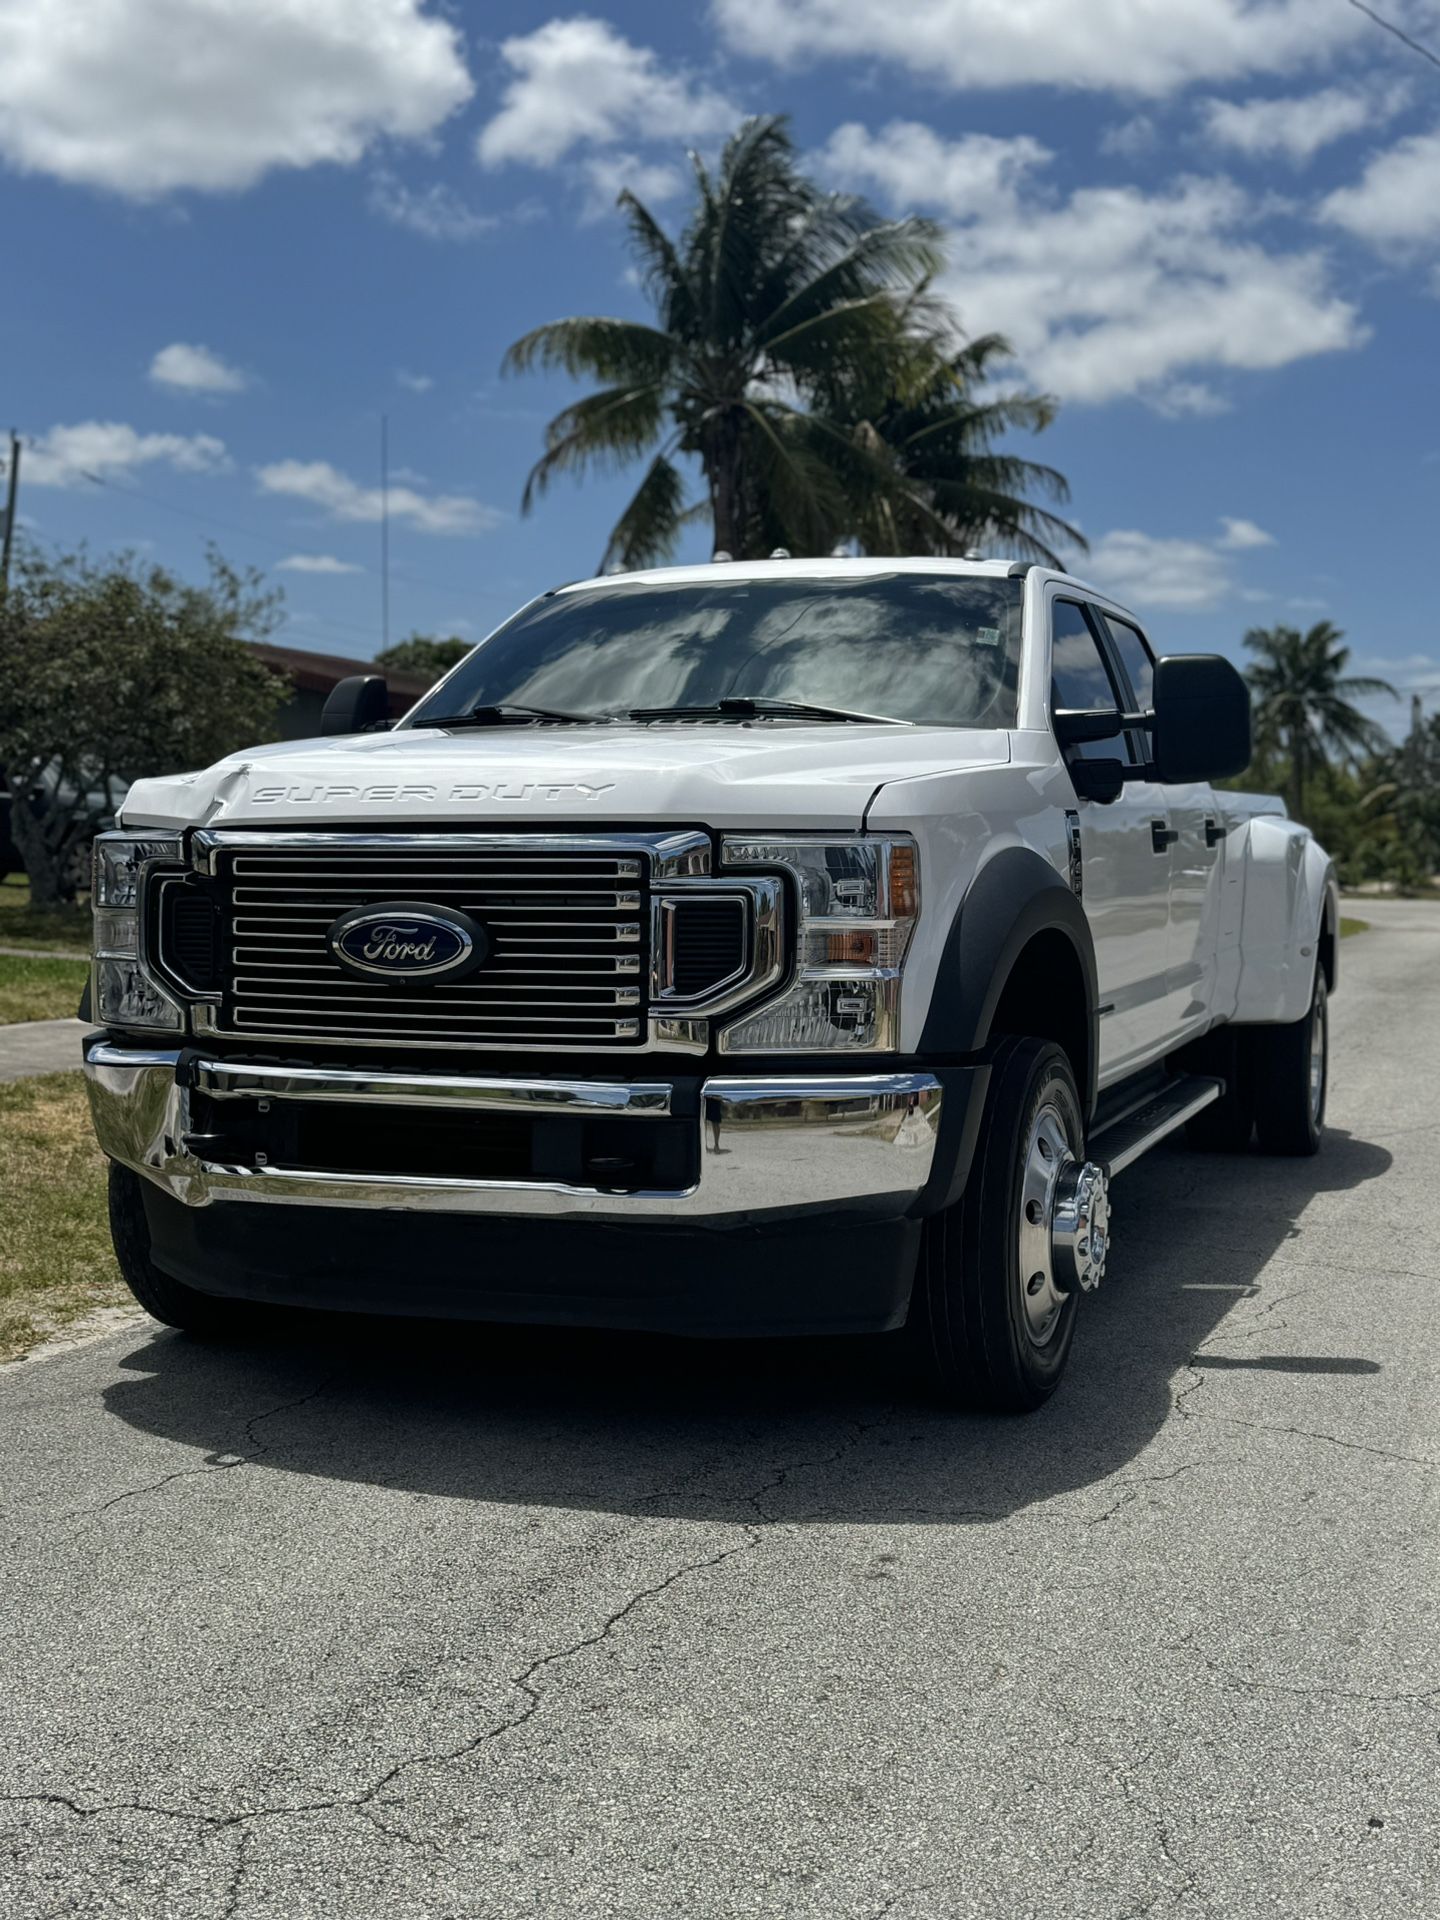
(306, 793)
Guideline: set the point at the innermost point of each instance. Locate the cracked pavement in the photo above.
(443, 1625)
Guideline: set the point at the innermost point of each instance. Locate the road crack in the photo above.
(214, 1462)
(528, 1682)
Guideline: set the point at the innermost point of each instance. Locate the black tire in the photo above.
(1225, 1126)
(161, 1296)
(968, 1314)
(1292, 1078)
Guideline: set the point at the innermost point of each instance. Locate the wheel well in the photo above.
(1044, 996)
(1329, 933)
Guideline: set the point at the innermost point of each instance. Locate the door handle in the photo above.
(1161, 836)
(1214, 834)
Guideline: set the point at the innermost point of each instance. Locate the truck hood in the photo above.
(751, 776)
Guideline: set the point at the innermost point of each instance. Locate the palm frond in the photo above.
(616, 350)
(665, 276)
(605, 430)
(648, 531)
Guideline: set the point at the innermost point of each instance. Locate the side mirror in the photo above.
(1201, 727)
(357, 704)
(1074, 725)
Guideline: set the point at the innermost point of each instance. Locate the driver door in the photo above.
(1125, 853)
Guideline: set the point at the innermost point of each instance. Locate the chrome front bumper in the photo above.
(861, 1143)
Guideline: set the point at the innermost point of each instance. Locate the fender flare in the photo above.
(1014, 896)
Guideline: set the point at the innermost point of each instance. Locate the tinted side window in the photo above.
(1131, 646)
(1079, 676)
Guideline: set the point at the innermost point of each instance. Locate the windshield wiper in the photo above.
(744, 707)
(506, 715)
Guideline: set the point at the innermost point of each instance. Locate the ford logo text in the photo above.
(405, 940)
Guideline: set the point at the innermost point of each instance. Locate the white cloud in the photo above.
(109, 449)
(912, 165)
(1179, 576)
(1114, 291)
(145, 96)
(1186, 400)
(1409, 672)
(1130, 138)
(1240, 534)
(1140, 46)
(606, 173)
(190, 369)
(1295, 128)
(315, 563)
(435, 212)
(578, 82)
(345, 499)
(414, 382)
(1396, 201)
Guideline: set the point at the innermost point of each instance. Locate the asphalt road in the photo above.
(441, 1627)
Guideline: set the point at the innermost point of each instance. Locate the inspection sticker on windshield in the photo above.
(987, 636)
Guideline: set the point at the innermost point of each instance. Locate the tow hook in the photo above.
(1080, 1226)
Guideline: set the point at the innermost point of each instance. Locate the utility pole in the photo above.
(12, 498)
(384, 531)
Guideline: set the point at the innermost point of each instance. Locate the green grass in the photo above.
(57, 928)
(1347, 927)
(39, 989)
(56, 1262)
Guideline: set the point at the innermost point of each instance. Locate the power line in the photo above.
(1415, 46)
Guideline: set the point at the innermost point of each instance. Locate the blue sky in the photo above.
(234, 237)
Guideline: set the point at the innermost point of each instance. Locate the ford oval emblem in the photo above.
(405, 940)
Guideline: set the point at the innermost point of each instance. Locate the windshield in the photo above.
(940, 650)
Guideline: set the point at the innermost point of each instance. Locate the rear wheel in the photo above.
(1292, 1077)
(1002, 1269)
(165, 1298)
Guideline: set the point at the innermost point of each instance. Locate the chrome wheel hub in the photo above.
(1081, 1226)
(1063, 1233)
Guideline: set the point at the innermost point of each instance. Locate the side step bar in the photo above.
(1121, 1144)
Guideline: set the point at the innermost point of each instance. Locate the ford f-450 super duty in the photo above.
(744, 948)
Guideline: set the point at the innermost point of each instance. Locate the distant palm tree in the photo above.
(1303, 702)
(798, 357)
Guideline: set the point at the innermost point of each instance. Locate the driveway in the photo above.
(436, 1626)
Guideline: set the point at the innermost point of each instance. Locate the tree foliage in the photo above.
(113, 671)
(1304, 704)
(424, 653)
(799, 357)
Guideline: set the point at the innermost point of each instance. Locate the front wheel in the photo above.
(1001, 1270)
(1291, 1066)
(161, 1296)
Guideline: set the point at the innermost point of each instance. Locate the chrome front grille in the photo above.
(568, 925)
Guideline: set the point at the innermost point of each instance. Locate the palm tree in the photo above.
(949, 489)
(798, 358)
(1302, 702)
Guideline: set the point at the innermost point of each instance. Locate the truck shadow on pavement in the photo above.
(775, 1431)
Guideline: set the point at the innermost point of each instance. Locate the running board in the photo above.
(1121, 1144)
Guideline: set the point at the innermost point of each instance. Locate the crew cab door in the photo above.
(1196, 855)
(1125, 854)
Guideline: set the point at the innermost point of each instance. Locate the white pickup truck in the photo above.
(746, 948)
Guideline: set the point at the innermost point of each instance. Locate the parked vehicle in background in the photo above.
(49, 789)
(758, 948)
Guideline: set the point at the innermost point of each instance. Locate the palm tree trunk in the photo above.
(1297, 775)
(722, 460)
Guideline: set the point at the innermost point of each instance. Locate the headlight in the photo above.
(858, 902)
(124, 993)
